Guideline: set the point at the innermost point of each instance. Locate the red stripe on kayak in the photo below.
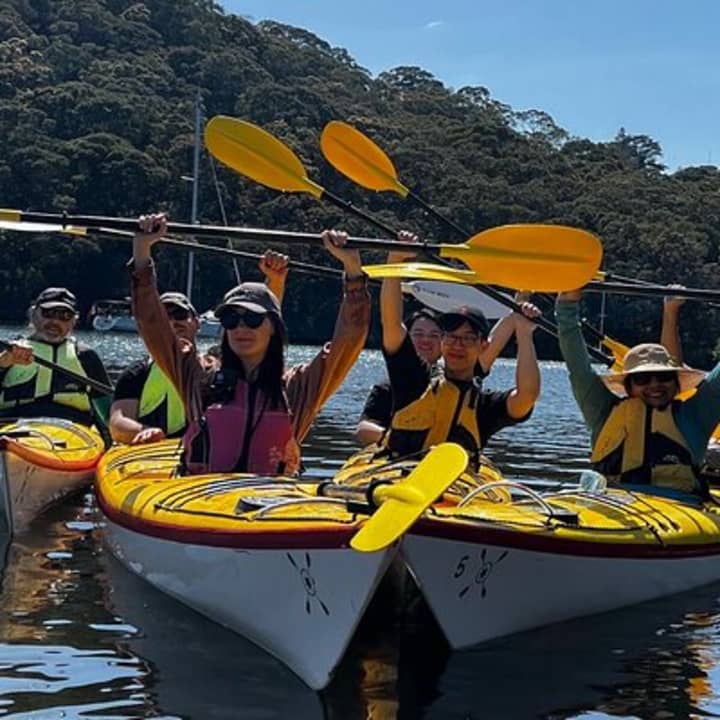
(519, 540)
(46, 460)
(332, 537)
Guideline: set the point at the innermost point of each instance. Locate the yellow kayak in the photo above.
(266, 557)
(41, 461)
(490, 569)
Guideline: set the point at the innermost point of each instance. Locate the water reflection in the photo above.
(196, 668)
(657, 660)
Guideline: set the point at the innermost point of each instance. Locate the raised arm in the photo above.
(274, 266)
(527, 372)
(502, 331)
(594, 399)
(310, 385)
(175, 357)
(391, 303)
(670, 336)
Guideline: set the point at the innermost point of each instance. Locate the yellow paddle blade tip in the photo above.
(357, 157)
(404, 502)
(7, 215)
(421, 271)
(257, 154)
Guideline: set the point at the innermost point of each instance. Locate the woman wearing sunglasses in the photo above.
(30, 390)
(251, 414)
(146, 406)
(641, 434)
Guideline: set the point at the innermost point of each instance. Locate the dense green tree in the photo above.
(96, 114)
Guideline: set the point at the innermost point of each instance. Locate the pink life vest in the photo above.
(242, 435)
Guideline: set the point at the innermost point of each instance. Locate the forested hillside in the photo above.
(96, 116)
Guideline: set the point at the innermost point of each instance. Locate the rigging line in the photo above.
(218, 194)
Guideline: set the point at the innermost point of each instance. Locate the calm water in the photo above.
(80, 637)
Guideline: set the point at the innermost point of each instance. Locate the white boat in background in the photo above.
(116, 316)
(112, 316)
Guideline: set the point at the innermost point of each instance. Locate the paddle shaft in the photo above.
(660, 291)
(229, 252)
(87, 381)
(541, 322)
(235, 233)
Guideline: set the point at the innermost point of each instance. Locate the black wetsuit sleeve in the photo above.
(409, 374)
(379, 405)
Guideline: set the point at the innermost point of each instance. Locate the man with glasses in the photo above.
(31, 390)
(429, 410)
(642, 436)
(147, 407)
(425, 335)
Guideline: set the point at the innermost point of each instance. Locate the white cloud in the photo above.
(433, 24)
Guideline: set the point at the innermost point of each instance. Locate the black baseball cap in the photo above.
(253, 296)
(179, 300)
(453, 319)
(54, 297)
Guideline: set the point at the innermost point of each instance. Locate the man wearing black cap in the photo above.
(453, 407)
(30, 390)
(146, 406)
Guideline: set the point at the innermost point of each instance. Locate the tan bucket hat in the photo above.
(651, 357)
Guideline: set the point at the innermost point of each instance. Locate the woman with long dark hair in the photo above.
(252, 414)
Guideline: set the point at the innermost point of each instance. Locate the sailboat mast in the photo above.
(196, 183)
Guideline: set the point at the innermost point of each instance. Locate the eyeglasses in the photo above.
(230, 319)
(422, 335)
(465, 340)
(178, 313)
(645, 378)
(57, 313)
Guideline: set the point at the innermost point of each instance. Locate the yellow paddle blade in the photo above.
(356, 156)
(41, 228)
(255, 153)
(540, 258)
(618, 350)
(422, 271)
(716, 434)
(404, 502)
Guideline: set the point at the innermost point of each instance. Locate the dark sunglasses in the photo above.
(57, 313)
(230, 319)
(178, 313)
(645, 378)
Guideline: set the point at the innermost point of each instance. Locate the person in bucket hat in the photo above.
(648, 358)
(641, 433)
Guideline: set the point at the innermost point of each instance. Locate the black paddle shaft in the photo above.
(86, 381)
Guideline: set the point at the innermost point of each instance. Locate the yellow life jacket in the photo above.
(444, 412)
(24, 384)
(639, 444)
(159, 394)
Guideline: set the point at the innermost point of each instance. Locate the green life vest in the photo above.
(24, 384)
(640, 444)
(160, 397)
(444, 412)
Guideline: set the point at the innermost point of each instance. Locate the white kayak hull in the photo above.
(482, 591)
(302, 606)
(27, 489)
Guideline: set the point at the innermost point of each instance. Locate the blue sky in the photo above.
(649, 66)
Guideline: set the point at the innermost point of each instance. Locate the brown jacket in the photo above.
(308, 386)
